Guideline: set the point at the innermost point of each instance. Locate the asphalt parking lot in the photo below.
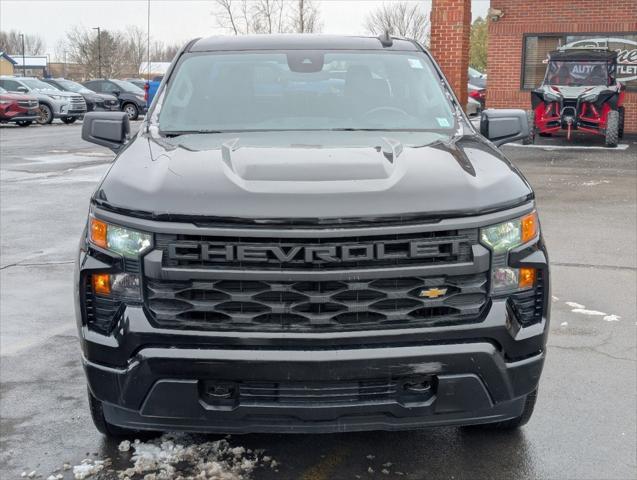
(584, 426)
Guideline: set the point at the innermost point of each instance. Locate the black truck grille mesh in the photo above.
(291, 393)
(448, 247)
(316, 306)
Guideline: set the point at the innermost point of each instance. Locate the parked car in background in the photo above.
(132, 99)
(54, 103)
(19, 108)
(94, 101)
(150, 87)
(477, 78)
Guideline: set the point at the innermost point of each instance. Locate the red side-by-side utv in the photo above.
(579, 92)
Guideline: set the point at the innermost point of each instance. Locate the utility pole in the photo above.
(99, 51)
(24, 64)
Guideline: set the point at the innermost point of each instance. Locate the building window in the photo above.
(537, 47)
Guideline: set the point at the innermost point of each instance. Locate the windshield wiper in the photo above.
(177, 133)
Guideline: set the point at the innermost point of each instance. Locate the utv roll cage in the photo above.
(597, 56)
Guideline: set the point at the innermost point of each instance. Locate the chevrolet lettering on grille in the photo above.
(216, 252)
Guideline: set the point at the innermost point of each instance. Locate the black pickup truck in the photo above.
(307, 234)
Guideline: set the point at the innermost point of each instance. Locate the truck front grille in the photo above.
(442, 247)
(316, 305)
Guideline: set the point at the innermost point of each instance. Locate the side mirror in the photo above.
(504, 126)
(108, 129)
(22, 89)
(116, 93)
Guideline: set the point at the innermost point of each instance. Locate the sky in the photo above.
(172, 21)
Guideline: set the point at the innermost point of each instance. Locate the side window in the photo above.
(108, 87)
(9, 85)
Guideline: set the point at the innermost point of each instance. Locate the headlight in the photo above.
(505, 236)
(141, 98)
(590, 98)
(126, 242)
(502, 238)
(56, 97)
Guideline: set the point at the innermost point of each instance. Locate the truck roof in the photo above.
(298, 42)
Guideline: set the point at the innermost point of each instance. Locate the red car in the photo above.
(18, 108)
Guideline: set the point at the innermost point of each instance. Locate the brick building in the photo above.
(520, 39)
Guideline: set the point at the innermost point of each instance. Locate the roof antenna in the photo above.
(385, 39)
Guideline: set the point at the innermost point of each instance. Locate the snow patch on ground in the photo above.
(612, 318)
(584, 311)
(180, 455)
(575, 305)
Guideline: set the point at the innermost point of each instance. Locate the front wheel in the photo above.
(622, 114)
(131, 110)
(530, 118)
(612, 129)
(24, 123)
(69, 120)
(46, 114)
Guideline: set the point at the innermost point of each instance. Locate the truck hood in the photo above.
(301, 175)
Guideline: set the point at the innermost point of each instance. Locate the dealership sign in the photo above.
(626, 54)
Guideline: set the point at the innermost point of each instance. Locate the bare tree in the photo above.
(81, 45)
(305, 17)
(160, 52)
(136, 40)
(225, 12)
(242, 17)
(11, 43)
(405, 19)
(268, 16)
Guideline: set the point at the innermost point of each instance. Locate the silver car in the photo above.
(54, 103)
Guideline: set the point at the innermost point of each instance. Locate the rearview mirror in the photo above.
(108, 129)
(116, 93)
(504, 125)
(22, 89)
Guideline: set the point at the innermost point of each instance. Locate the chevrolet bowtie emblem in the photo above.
(433, 292)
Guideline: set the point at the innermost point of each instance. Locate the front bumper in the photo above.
(473, 374)
(155, 378)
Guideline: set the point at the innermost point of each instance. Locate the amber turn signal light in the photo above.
(526, 279)
(101, 283)
(98, 232)
(529, 227)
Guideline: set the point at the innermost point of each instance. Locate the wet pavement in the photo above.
(584, 426)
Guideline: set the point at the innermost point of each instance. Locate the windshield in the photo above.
(577, 74)
(128, 87)
(73, 86)
(36, 84)
(305, 90)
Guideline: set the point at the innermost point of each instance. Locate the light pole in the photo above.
(99, 52)
(24, 64)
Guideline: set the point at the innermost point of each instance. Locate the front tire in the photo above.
(69, 120)
(622, 114)
(131, 110)
(46, 114)
(612, 129)
(530, 118)
(24, 123)
(107, 429)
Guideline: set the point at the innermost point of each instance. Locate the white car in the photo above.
(54, 103)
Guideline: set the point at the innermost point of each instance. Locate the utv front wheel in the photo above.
(107, 429)
(516, 422)
(612, 129)
(621, 121)
(530, 118)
